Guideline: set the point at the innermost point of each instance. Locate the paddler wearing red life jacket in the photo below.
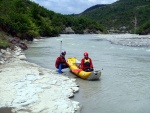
(86, 63)
(61, 62)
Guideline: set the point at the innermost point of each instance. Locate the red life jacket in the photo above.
(60, 60)
(86, 63)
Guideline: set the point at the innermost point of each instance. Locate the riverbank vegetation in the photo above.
(4, 40)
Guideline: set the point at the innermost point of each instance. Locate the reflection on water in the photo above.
(124, 86)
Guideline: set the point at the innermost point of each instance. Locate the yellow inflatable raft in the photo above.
(74, 67)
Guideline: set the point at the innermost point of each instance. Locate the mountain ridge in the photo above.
(123, 16)
(94, 7)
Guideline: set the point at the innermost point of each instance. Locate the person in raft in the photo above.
(86, 63)
(61, 62)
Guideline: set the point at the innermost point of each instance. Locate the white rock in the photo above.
(17, 53)
(17, 48)
(3, 51)
(26, 90)
(75, 89)
(36, 40)
(22, 57)
(28, 86)
(2, 62)
(8, 49)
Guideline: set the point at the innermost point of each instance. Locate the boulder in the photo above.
(3, 51)
(22, 57)
(68, 30)
(17, 42)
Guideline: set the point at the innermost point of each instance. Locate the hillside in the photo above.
(94, 7)
(121, 16)
(26, 19)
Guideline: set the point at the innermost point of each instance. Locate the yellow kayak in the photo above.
(74, 67)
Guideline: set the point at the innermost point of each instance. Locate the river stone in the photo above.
(3, 51)
(0, 55)
(22, 57)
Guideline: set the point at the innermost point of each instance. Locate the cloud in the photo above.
(70, 6)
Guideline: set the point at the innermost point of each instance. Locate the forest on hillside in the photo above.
(26, 20)
(131, 16)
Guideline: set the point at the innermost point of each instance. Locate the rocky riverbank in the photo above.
(28, 88)
(132, 40)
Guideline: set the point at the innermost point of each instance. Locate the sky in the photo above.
(70, 6)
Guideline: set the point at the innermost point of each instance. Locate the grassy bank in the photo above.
(4, 40)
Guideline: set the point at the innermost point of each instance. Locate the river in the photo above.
(124, 86)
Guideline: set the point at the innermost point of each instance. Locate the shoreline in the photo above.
(28, 88)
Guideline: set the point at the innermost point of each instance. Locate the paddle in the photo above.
(60, 46)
